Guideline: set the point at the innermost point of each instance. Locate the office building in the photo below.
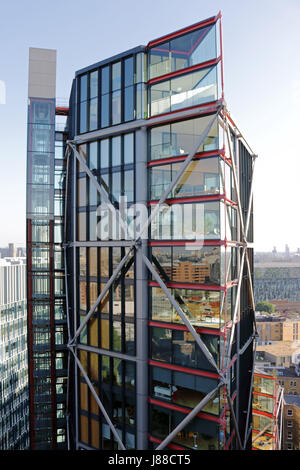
(291, 423)
(157, 241)
(14, 409)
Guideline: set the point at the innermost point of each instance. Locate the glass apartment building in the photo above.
(14, 399)
(157, 241)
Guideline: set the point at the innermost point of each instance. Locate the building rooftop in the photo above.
(282, 348)
(292, 400)
(11, 261)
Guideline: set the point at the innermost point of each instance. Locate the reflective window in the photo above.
(197, 265)
(184, 51)
(185, 91)
(128, 148)
(116, 107)
(200, 178)
(104, 153)
(180, 138)
(187, 221)
(202, 307)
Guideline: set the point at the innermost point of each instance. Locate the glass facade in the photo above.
(137, 355)
(113, 94)
(14, 391)
(46, 173)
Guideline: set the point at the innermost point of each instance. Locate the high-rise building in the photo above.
(14, 399)
(158, 258)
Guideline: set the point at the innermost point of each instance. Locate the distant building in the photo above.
(12, 250)
(291, 423)
(13, 356)
(282, 330)
(278, 354)
(289, 380)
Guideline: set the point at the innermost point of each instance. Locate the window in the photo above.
(289, 412)
(185, 91)
(184, 51)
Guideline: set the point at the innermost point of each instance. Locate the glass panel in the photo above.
(83, 116)
(159, 60)
(116, 107)
(161, 344)
(116, 151)
(128, 70)
(197, 265)
(82, 226)
(200, 306)
(184, 51)
(93, 157)
(116, 76)
(94, 84)
(128, 104)
(81, 189)
(141, 101)
(180, 138)
(93, 118)
(104, 153)
(105, 80)
(128, 148)
(194, 88)
(187, 221)
(129, 185)
(83, 88)
(105, 110)
(185, 91)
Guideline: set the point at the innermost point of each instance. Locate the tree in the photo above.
(263, 306)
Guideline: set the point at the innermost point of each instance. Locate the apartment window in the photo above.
(182, 52)
(289, 412)
(289, 424)
(290, 435)
(188, 90)
(289, 446)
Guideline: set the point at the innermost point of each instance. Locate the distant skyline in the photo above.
(262, 87)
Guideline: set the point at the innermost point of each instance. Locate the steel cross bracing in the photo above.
(135, 245)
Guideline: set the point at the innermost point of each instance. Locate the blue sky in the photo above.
(261, 41)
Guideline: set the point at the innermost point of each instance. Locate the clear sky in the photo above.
(261, 40)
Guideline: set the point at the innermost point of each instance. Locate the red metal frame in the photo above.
(183, 31)
(181, 158)
(197, 113)
(183, 243)
(172, 326)
(158, 441)
(181, 72)
(186, 370)
(186, 411)
(178, 285)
